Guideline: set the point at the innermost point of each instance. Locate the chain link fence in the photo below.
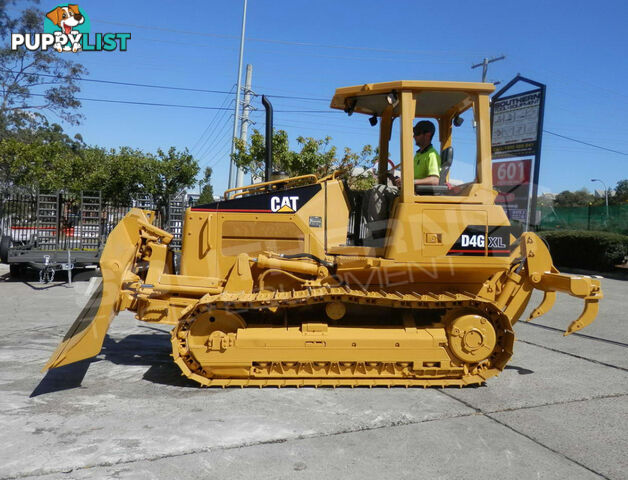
(598, 218)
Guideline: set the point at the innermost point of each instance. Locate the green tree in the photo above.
(359, 166)
(251, 157)
(168, 175)
(121, 174)
(118, 174)
(207, 191)
(579, 198)
(544, 201)
(33, 84)
(44, 163)
(621, 193)
(35, 154)
(315, 156)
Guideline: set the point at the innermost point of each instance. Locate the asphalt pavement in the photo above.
(559, 409)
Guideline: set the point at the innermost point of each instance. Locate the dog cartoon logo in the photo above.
(67, 18)
(67, 29)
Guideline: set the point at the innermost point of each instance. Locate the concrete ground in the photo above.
(559, 410)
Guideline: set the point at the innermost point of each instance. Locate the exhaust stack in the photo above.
(269, 138)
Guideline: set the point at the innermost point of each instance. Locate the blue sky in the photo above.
(308, 48)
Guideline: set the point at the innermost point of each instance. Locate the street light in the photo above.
(605, 194)
(233, 169)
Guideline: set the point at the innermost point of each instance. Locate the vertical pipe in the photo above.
(269, 138)
(237, 102)
(35, 231)
(69, 268)
(59, 219)
(537, 161)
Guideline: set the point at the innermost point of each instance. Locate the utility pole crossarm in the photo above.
(485, 63)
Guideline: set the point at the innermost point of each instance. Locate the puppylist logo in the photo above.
(67, 29)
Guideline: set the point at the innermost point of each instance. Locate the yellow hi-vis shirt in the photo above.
(426, 163)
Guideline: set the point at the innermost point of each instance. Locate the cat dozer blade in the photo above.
(86, 335)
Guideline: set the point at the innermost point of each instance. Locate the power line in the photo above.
(165, 87)
(219, 135)
(127, 84)
(153, 104)
(573, 79)
(307, 111)
(322, 129)
(220, 151)
(297, 98)
(299, 44)
(201, 107)
(336, 126)
(299, 53)
(129, 102)
(223, 150)
(223, 104)
(214, 136)
(585, 143)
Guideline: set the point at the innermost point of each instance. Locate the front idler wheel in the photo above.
(471, 335)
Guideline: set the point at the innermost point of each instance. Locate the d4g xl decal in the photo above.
(474, 242)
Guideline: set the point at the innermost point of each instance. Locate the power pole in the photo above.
(244, 126)
(485, 63)
(232, 173)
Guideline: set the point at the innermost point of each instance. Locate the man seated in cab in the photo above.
(427, 159)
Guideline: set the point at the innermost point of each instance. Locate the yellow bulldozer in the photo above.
(278, 285)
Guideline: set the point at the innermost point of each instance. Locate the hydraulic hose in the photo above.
(320, 261)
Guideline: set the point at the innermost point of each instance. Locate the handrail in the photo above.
(333, 175)
(258, 186)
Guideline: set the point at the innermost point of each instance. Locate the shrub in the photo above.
(590, 250)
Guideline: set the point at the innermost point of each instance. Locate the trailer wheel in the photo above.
(5, 244)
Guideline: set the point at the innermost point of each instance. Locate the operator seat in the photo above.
(377, 205)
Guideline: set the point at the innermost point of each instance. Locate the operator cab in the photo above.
(460, 113)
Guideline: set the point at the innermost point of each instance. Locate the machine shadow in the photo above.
(62, 378)
(48, 286)
(520, 370)
(150, 349)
